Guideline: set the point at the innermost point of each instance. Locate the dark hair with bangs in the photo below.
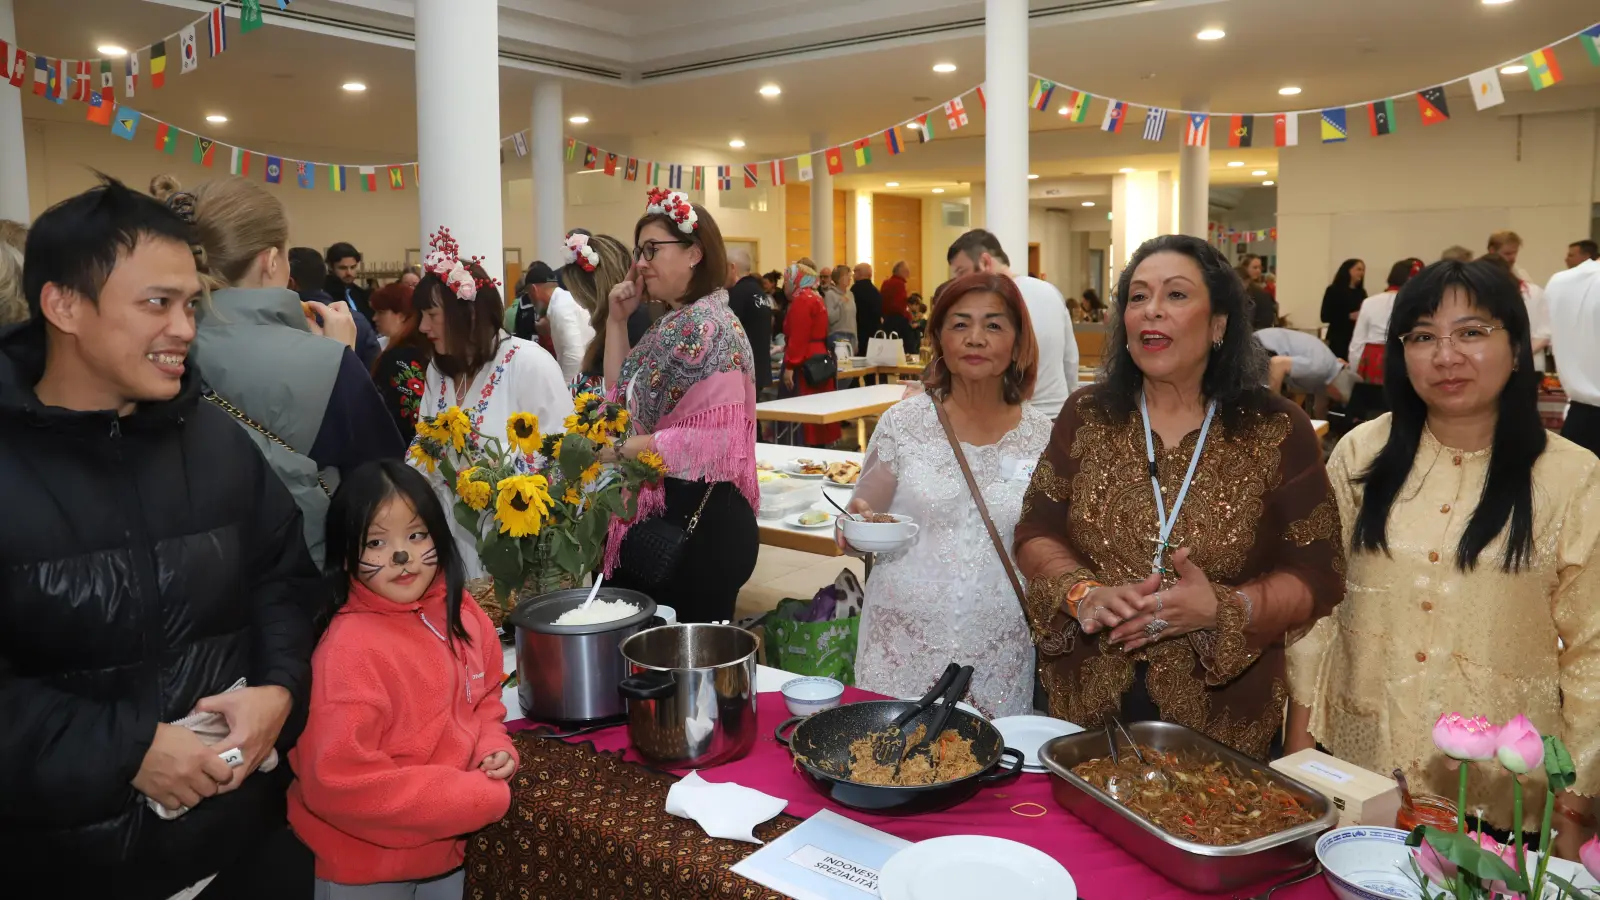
(355, 504)
(712, 272)
(471, 327)
(1519, 435)
(1235, 373)
(77, 242)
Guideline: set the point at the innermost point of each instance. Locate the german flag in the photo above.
(158, 64)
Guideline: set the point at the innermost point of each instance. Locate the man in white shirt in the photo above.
(980, 251)
(570, 331)
(1574, 300)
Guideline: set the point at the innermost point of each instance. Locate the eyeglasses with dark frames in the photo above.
(647, 251)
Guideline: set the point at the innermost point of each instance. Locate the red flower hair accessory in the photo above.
(444, 260)
(577, 251)
(674, 205)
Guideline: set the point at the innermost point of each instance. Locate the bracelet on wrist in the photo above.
(1249, 605)
(1077, 593)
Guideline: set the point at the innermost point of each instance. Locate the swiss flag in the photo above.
(835, 161)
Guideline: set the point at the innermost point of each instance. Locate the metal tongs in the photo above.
(895, 747)
(1111, 740)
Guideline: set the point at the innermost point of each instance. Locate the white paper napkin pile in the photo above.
(724, 810)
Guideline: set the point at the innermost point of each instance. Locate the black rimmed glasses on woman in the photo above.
(1465, 338)
(647, 250)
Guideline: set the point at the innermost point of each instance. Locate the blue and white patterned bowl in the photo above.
(807, 696)
(1365, 863)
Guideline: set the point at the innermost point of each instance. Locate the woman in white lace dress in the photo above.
(947, 596)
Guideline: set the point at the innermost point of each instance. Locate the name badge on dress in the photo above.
(1016, 469)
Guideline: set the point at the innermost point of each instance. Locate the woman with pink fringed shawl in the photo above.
(690, 391)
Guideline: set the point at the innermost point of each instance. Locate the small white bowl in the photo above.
(1367, 863)
(805, 696)
(879, 537)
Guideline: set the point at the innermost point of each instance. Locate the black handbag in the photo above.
(653, 549)
(820, 369)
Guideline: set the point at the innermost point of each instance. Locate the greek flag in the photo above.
(1155, 125)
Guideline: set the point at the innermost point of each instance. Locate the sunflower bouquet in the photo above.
(539, 504)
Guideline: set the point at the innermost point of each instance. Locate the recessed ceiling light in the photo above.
(354, 87)
(1127, 169)
(1088, 203)
(1514, 70)
(111, 50)
(1032, 176)
(579, 120)
(1212, 34)
(216, 119)
(1494, 2)
(891, 184)
(1268, 183)
(736, 144)
(770, 90)
(1236, 165)
(1064, 111)
(1289, 91)
(944, 68)
(1259, 172)
(938, 190)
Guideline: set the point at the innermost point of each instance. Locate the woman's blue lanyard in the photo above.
(1163, 519)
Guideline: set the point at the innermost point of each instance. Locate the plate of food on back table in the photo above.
(805, 468)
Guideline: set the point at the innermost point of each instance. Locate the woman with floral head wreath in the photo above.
(691, 396)
(477, 368)
(805, 333)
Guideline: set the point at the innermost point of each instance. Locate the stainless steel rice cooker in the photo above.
(571, 673)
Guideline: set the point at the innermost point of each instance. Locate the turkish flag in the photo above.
(835, 161)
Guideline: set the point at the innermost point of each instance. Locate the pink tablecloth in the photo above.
(1101, 869)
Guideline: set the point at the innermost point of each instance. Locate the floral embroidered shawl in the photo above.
(690, 383)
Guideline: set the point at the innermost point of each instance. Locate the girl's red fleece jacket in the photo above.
(388, 783)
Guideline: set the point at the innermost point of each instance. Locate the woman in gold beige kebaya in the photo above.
(1472, 535)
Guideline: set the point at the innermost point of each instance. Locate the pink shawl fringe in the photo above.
(709, 436)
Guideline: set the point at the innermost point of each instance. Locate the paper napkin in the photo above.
(723, 810)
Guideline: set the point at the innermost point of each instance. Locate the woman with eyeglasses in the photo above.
(690, 391)
(1471, 536)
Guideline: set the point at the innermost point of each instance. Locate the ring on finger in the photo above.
(1154, 627)
(1159, 603)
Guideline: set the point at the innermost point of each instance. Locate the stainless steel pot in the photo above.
(691, 694)
(570, 673)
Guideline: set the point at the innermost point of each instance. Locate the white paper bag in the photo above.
(885, 351)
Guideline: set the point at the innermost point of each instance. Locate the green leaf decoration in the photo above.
(1558, 767)
(577, 453)
(1471, 858)
(469, 518)
(502, 557)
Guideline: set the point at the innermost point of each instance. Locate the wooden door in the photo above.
(796, 222)
(896, 236)
(1033, 259)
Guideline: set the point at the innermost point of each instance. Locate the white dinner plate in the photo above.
(792, 469)
(961, 867)
(1027, 734)
(793, 521)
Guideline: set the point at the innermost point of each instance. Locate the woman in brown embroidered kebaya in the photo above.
(1179, 612)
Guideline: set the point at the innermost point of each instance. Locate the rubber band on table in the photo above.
(1042, 811)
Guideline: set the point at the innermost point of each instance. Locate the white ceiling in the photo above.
(684, 73)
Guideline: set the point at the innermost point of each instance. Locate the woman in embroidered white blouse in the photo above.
(947, 597)
(483, 370)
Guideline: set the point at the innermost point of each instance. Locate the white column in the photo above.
(549, 172)
(1006, 140)
(13, 152)
(1136, 200)
(1194, 189)
(821, 207)
(458, 125)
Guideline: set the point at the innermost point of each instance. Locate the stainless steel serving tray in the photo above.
(1198, 867)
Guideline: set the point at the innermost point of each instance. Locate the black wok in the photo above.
(821, 745)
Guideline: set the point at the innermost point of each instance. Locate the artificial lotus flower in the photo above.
(454, 425)
(1589, 855)
(473, 493)
(421, 458)
(1520, 748)
(522, 429)
(523, 504)
(1438, 869)
(1459, 737)
(653, 460)
(1507, 854)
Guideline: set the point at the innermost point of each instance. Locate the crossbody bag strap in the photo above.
(695, 519)
(977, 497)
(215, 399)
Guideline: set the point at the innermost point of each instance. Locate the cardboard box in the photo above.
(1361, 797)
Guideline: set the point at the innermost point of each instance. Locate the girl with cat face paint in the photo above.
(406, 745)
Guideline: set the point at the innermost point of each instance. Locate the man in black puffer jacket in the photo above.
(149, 559)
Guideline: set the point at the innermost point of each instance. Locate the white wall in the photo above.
(936, 240)
(1422, 189)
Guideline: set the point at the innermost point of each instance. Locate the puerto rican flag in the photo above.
(1198, 134)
